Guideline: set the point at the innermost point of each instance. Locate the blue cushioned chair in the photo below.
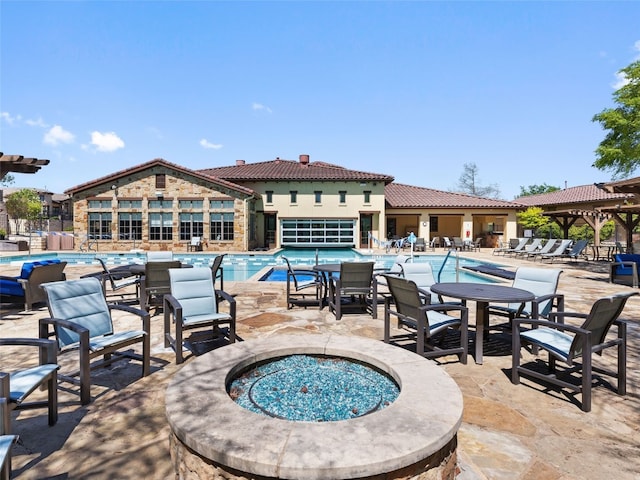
(194, 304)
(17, 384)
(568, 343)
(81, 320)
(26, 286)
(624, 269)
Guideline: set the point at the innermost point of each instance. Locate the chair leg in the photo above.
(515, 356)
(177, 346)
(622, 358)
(586, 376)
(52, 387)
(85, 369)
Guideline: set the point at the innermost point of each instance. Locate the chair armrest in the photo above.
(227, 297)
(12, 279)
(48, 348)
(558, 303)
(143, 314)
(549, 324)
(558, 317)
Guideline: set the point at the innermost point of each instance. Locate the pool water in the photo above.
(240, 267)
(313, 389)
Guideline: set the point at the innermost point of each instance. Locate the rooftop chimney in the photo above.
(239, 162)
(304, 159)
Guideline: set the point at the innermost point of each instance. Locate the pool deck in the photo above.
(508, 431)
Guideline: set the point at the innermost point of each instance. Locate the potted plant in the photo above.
(3, 233)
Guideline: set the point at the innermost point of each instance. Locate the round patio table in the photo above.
(482, 294)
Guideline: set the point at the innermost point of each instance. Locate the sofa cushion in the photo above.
(27, 267)
(625, 257)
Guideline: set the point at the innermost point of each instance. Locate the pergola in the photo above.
(594, 218)
(19, 164)
(626, 214)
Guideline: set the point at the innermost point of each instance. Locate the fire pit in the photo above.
(213, 435)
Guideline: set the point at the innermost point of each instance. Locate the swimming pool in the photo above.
(255, 266)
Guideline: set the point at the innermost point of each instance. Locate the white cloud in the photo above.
(106, 142)
(204, 143)
(8, 118)
(259, 106)
(636, 47)
(38, 122)
(57, 135)
(621, 81)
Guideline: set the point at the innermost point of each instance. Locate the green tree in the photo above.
(537, 190)
(533, 218)
(620, 150)
(23, 205)
(469, 183)
(7, 180)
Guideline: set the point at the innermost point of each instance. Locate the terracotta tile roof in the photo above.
(291, 170)
(163, 163)
(398, 195)
(581, 194)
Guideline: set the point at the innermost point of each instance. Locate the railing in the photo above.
(444, 262)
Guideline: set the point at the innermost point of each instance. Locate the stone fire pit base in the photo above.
(214, 438)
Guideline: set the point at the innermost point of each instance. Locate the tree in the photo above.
(537, 190)
(7, 180)
(23, 205)
(469, 183)
(620, 150)
(533, 218)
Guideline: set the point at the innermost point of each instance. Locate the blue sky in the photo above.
(410, 89)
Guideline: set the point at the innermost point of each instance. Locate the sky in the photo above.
(412, 89)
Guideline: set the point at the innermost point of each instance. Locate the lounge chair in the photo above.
(543, 283)
(353, 289)
(81, 321)
(194, 304)
(521, 247)
(558, 252)
(304, 286)
(16, 385)
(427, 323)
(529, 247)
(116, 282)
(26, 286)
(566, 343)
(546, 248)
(578, 250)
(446, 243)
(518, 246)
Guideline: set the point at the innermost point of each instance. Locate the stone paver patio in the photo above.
(508, 431)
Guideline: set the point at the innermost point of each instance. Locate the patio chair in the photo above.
(543, 283)
(304, 286)
(458, 243)
(217, 270)
(435, 242)
(117, 282)
(425, 322)
(476, 244)
(159, 256)
(624, 269)
(421, 274)
(558, 252)
(26, 286)
(195, 245)
(446, 243)
(353, 289)
(194, 305)
(6, 443)
(420, 245)
(568, 343)
(17, 384)
(155, 283)
(81, 321)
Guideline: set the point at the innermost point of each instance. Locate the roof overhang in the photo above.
(19, 164)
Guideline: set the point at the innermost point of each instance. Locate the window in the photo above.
(317, 232)
(100, 225)
(221, 205)
(130, 226)
(161, 226)
(160, 204)
(343, 196)
(318, 196)
(191, 225)
(293, 196)
(94, 204)
(269, 194)
(161, 180)
(190, 204)
(367, 196)
(221, 226)
(129, 204)
(433, 224)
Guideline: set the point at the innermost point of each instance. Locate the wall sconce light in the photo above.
(159, 194)
(424, 224)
